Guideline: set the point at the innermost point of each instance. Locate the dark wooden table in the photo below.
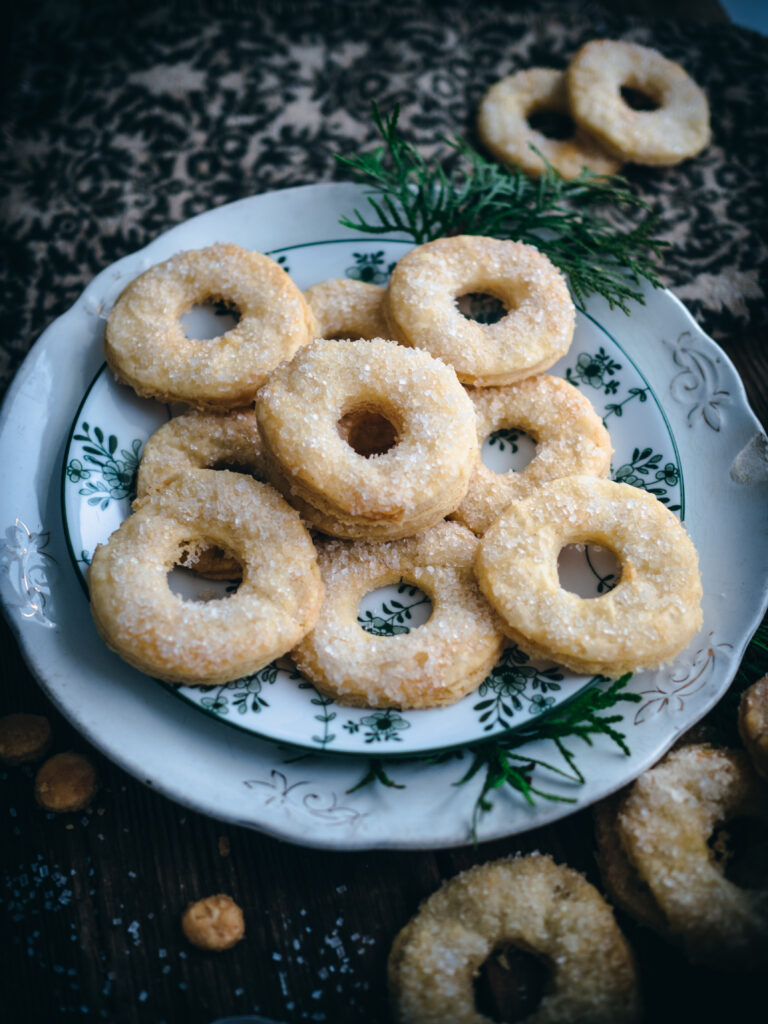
(90, 903)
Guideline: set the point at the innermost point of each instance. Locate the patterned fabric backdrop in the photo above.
(120, 120)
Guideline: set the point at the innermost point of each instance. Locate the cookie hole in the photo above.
(510, 985)
(740, 848)
(368, 432)
(508, 450)
(209, 320)
(638, 100)
(552, 124)
(482, 307)
(204, 573)
(393, 610)
(588, 570)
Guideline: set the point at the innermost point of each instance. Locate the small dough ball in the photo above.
(214, 923)
(65, 782)
(24, 738)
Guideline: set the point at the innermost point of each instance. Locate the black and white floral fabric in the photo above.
(121, 120)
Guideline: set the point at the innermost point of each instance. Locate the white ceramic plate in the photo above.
(105, 445)
(694, 416)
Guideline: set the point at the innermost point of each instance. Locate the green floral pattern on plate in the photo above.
(324, 716)
(106, 474)
(390, 618)
(245, 695)
(241, 695)
(513, 684)
(380, 726)
(647, 469)
(370, 267)
(605, 582)
(596, 370)
(505, 438)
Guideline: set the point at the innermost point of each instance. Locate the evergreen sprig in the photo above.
(581, 718)
(480, 197)
(376, 773)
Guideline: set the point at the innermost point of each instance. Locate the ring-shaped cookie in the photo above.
(534, 333)
(345, 308)
(202, 440)
(437, 663)
(664, 824)
(503, 125)
(530, 902)
(676, 130)
(570, 437)
(145, 345)
(621, 882)
(649, 616)
(303, 404)
(206, 643)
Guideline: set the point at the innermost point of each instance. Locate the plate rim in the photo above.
(286, 830)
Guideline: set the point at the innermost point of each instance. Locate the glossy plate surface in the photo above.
(678, 419)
